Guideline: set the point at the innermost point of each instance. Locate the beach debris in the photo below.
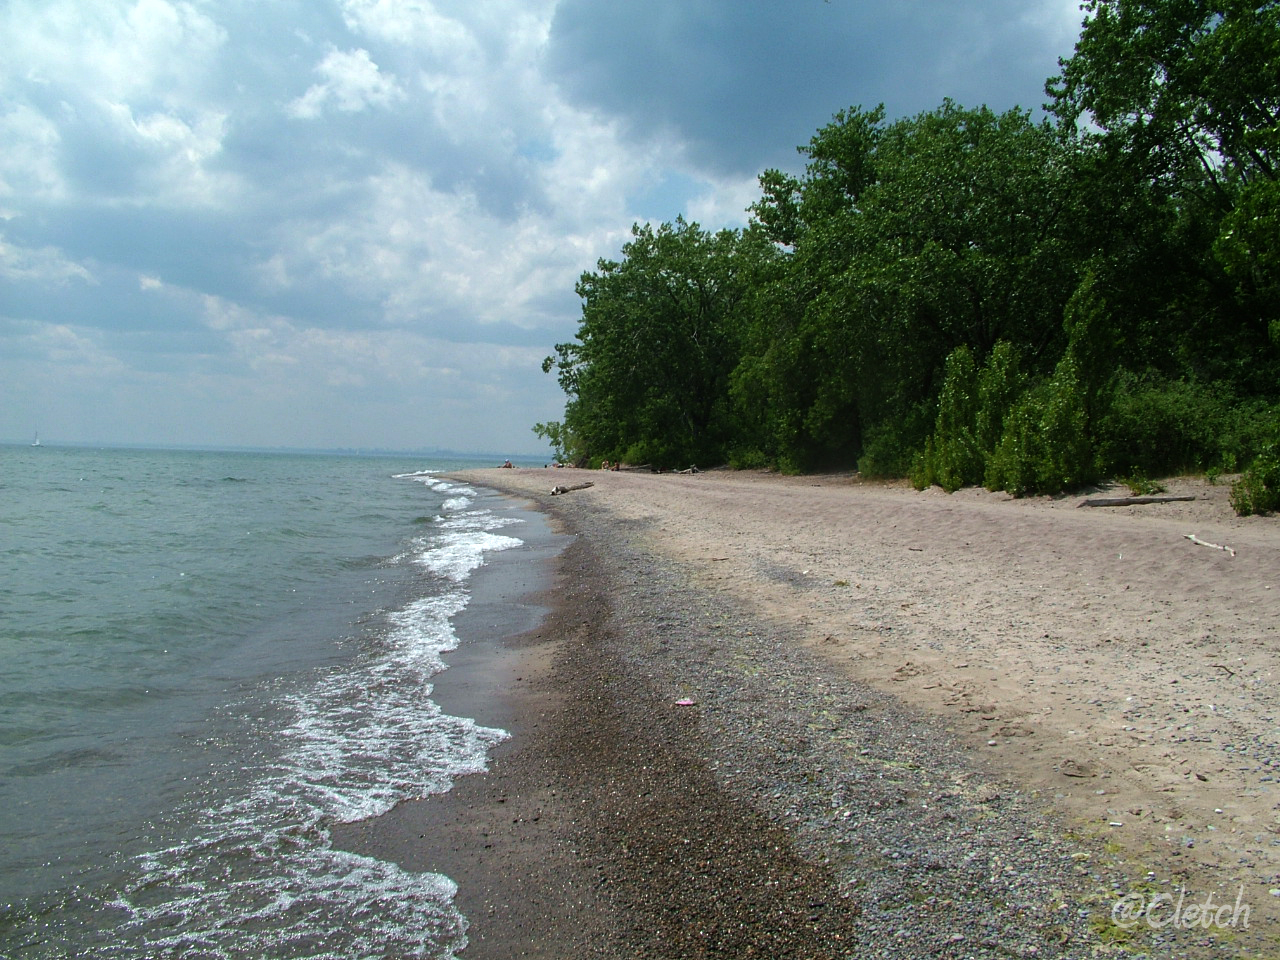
(1205, 543)
(685, 702)
(1132, 501)
(1075, 768)
(559, 489)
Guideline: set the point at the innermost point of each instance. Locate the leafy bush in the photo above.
(887, 449)
(748, 458)
(1251, 427)
(884, 456)
(1140, 486)
(1000, 385)
(971, 415)
(952, 457)
(1046, 446)
(1163, 427)
(1258, 489)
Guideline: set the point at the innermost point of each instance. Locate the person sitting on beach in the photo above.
(507, 465)
(604, 464)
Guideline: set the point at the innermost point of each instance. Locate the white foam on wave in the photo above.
(456, 555)
(315, 903)
(258, 876)
(458, 496)
(463, 536)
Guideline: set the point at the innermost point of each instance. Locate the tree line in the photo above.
(971, 297)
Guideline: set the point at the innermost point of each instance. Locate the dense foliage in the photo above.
(970, 297)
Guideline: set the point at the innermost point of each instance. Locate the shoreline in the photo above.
(906, 838)
(509, 596)
(593, 820)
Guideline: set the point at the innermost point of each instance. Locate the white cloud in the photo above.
(130, 77)
(725, 202)
(429, 255)
(178, 157)
(428, 252)
(352, 82)
(292, 351)
(414, 23)
(28, 162)
(78, 351)
(115, 50)
(43, 265)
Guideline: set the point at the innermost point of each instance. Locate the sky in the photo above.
(358, 223)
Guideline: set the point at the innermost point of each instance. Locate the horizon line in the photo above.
(281, 448)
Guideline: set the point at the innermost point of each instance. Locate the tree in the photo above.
(1248, 248)
(563, 443)
(648, 373)
(1177, 106)
(1182, 83)
(907, 240)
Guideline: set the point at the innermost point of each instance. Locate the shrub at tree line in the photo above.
(965, 297)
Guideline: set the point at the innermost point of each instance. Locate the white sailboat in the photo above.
(36, 441)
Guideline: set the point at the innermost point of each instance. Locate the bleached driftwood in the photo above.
(557, 490)
(1205, 543)
(1129, 501)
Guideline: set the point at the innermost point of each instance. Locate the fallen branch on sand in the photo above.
(1205, 543)
(557, 490)
(1129, 501)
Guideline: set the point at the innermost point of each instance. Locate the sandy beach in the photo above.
(811, 717)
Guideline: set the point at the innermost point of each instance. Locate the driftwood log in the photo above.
(1130, 501)
(557, 490)
(1205, 543)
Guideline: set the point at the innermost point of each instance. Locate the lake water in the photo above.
(208, 658)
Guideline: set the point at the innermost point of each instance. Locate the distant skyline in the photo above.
(358, 223)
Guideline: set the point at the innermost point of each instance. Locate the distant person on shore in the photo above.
(507, 465)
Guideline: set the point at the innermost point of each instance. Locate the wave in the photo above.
(242, 865)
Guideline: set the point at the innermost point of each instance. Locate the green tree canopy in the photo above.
(1181, 83)
(907, 240)
(647, 375)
